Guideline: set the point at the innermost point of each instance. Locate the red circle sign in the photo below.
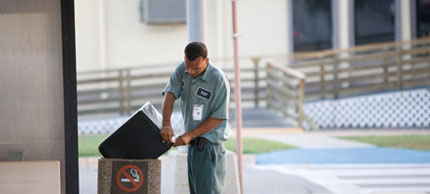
(128, 178)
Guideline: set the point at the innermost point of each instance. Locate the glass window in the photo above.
(423, 18)
(374, 21)
(312, 25)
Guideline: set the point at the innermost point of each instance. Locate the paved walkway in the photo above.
(343, 166)
(260, 181)
(310, 140)
(376, 155)
(324, 138)
(359, 178)
(323, 147)
(298, 177)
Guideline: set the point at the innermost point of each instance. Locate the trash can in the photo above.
(138, 138)
(130, 163)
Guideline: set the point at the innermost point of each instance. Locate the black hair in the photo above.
(196, 49)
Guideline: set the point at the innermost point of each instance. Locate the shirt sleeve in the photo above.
(220, 105)
(174, 85)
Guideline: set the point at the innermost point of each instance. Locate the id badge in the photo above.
(197, 112)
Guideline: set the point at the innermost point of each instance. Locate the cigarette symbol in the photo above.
(134, 174)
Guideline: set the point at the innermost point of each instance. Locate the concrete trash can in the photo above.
(129, 176)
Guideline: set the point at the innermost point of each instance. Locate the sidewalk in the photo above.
(323, 138)
(322, 147)
(342, 166)
(256, 181)
(301, 139)
(302, 178)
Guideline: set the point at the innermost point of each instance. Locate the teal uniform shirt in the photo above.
(206, 96)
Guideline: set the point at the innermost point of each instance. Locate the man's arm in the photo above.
(166, 131)
(204, 127)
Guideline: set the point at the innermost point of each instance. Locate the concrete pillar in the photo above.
(343, 35)
(38, 115)
(290, 29)
(403, 27)
(343, 24)
(197, 20)
(403, 22)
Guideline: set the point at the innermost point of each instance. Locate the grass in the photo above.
(416, 142)
(88, 145)
(256, 145)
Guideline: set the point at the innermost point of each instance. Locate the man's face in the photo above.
(196, 67)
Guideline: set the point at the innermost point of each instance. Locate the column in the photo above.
(197, 20)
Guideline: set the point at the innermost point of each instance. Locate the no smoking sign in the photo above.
(129, 177)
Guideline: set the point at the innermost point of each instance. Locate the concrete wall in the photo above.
(263, 27)
(109, 33)
(127, 41)
(88, 33)
(31, 81)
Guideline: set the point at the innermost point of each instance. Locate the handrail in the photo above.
(288, 71)
(330, 73)
(291, 99)
(122, 90)
(365, 69)
(329, 52)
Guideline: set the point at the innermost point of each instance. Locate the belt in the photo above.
(199, 142)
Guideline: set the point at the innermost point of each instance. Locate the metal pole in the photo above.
(196, 20)
(237, 96)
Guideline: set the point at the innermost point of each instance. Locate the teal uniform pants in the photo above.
(206, 169)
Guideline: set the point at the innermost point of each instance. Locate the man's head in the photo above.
(196, 58)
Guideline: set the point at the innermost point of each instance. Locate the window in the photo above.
(374, 21)
(162, 11)
(423, 18)
(312, 25)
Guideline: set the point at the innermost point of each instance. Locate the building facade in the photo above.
(115, 33)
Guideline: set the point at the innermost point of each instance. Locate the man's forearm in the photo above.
(168, 102)
(206, 126)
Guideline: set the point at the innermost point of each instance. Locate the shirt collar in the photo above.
(205, 75)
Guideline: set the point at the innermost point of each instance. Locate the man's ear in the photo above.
(207, 60)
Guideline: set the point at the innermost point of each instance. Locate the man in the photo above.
(205, 93)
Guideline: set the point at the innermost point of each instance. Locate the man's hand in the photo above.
(166, 133)
(183, 140)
